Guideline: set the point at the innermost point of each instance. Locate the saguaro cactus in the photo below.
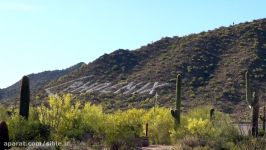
(25, 98)
(4, 137)
(176, 113)
(147, 130)
(253, 101)
(263, 119)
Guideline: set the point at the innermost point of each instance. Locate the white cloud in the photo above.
(16, 6)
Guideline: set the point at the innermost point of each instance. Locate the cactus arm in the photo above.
(261, 118)
(173, 113)
(178, 92)
(255, 115)
(253, 101)
(248, 90)
(250, 96)
(212, 114)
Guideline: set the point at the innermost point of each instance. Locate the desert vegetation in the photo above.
(66, 120)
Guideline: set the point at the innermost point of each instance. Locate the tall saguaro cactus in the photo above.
(4, 137)
(147, 130)
(176, 113)
(253, 101)
(25, 97)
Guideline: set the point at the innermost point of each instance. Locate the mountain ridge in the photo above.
(38, 80)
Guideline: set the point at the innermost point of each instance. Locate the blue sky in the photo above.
(39, 35)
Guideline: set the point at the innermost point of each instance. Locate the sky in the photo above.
(40, 35)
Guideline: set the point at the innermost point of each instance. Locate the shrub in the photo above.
(63, 120)
(160, 124)
(27, 130)
(251, 143)
(3, 113)
(124, 127)
(197, 126)
(62, 117)
(93, 119)
(218, 133)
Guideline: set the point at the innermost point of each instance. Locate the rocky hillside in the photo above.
(212, 65)
(37, 81)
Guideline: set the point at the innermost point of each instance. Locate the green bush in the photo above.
(93, 119)
(3, 113)
(160, 124)
(127, 126)
(218, 133)
(63, 118)
(124, 127)
(27, 130)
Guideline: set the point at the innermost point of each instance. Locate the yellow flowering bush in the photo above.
(197, 126)
(93, 118)
(196, 123)
(61, 116)
(124, 125)
(160, 124)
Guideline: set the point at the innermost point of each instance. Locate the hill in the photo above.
(211, 63)
(37, 81)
